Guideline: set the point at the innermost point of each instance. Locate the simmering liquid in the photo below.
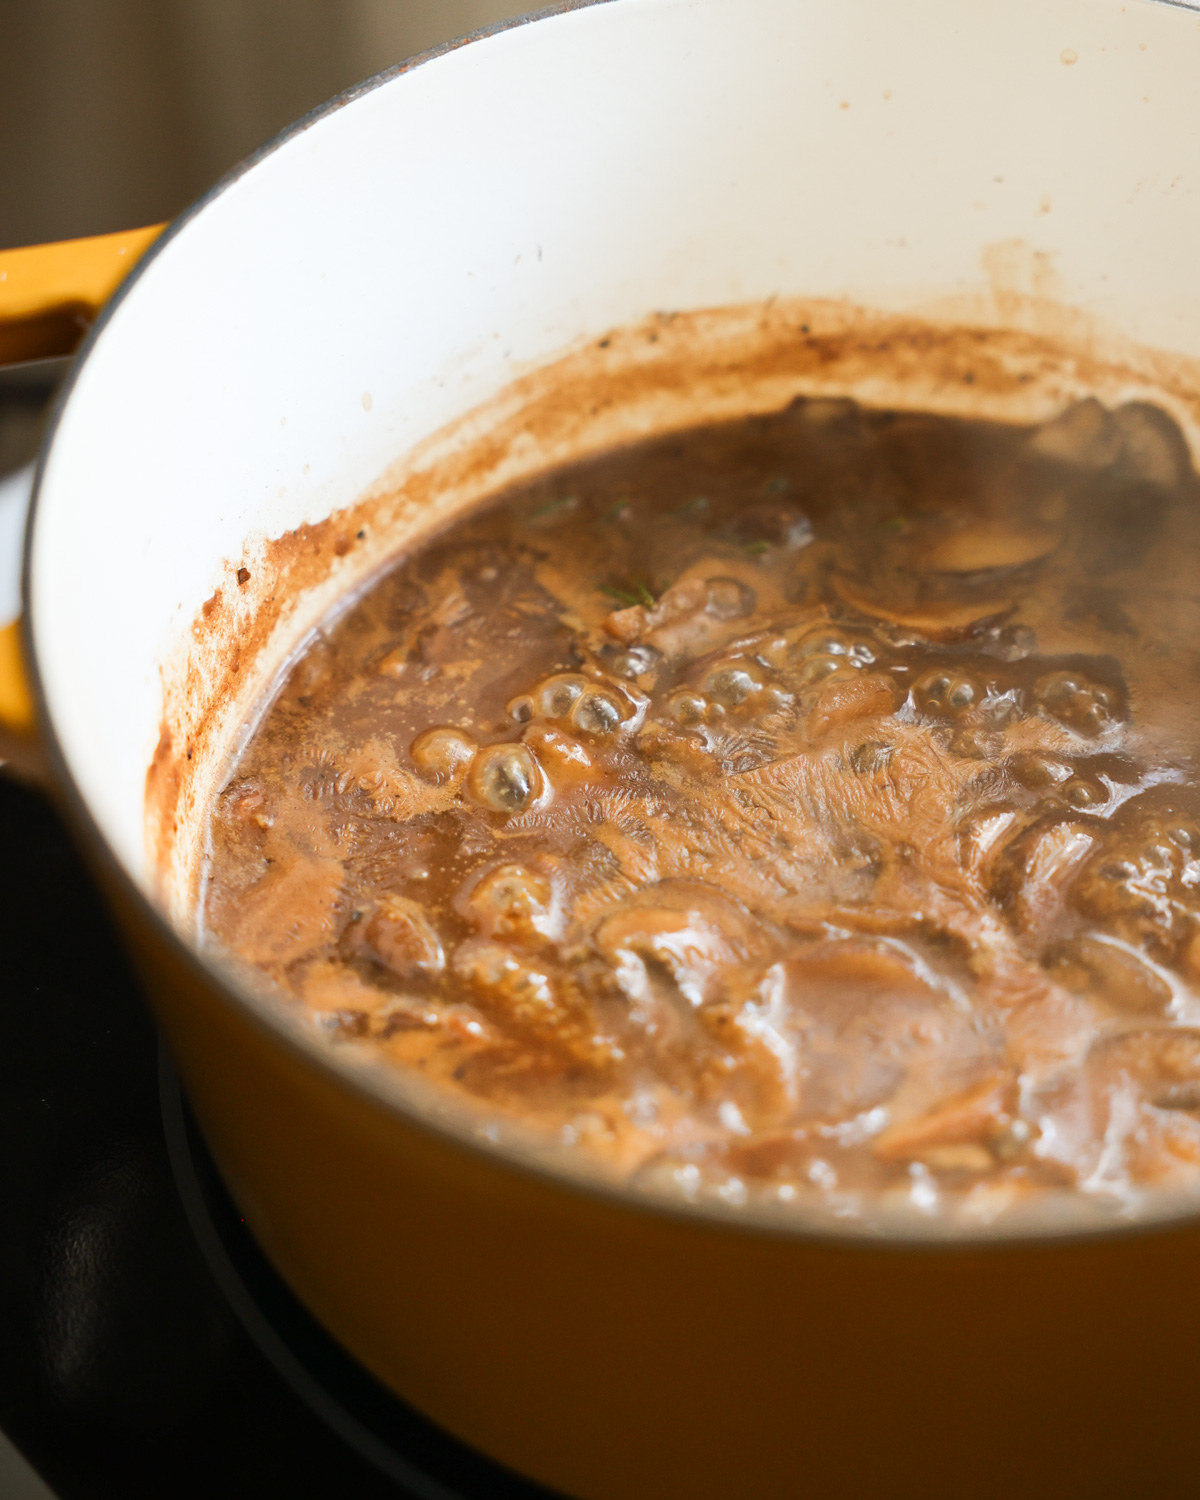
(802, 808)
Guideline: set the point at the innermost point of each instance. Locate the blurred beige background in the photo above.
(115, 113)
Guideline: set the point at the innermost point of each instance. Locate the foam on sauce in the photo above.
(800, 808)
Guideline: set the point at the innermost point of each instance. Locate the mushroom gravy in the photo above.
(800, 808)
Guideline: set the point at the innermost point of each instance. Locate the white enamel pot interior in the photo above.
(394, 261)
(397, 260)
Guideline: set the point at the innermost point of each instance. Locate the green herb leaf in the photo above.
(564, 502)
(753, 549)
(628, 600)
(632, 591)
(693, 507)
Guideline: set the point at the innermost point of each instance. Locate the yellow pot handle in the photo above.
(16, 706)
(49, 295)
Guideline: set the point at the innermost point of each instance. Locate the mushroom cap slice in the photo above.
(936, 620)
(992, 544)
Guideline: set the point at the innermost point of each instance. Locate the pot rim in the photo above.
(225, 982)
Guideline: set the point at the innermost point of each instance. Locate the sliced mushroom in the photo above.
(398, 934)
(1084, 435)
(512, 901)
(992, 544)
(839, 703)
(563, 758)
(340, 1000)
(1153, 449)
(526, 995)
(690, 930)
(938, 621)
(680, 602)
(694, 615)
(1161, 1063)
(977, 1116)
(1119, 975)
(1040, 871)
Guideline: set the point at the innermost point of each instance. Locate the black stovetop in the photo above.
(124, 1370)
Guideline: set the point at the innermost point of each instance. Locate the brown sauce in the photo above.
(801, 808)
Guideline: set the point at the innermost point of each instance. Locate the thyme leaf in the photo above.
(693, 507)
(620, 595)
(632, 591)
(563, 502)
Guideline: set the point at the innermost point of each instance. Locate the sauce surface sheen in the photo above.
(800, 809)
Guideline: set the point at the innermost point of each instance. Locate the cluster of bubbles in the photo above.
(572, 699)
(728, 685)
(1142, 884)
(1056, 781)
(945, 695)
(507, 778)
(827, 651)
(1069, 697)
(747, 680)
(504, 778)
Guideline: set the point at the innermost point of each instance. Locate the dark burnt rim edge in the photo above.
(110, 872)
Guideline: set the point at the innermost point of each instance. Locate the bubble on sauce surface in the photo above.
(732, 683)
(871, 757)
(557, 695)
(972, 744)
(595, 712)
(822, 640)
(634, 661)
(688, 707)
(818, 667)
(1037, 772)
(1081, 792)
(1143, 883)
(505, 778)
(442, 751)
(729, 599)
